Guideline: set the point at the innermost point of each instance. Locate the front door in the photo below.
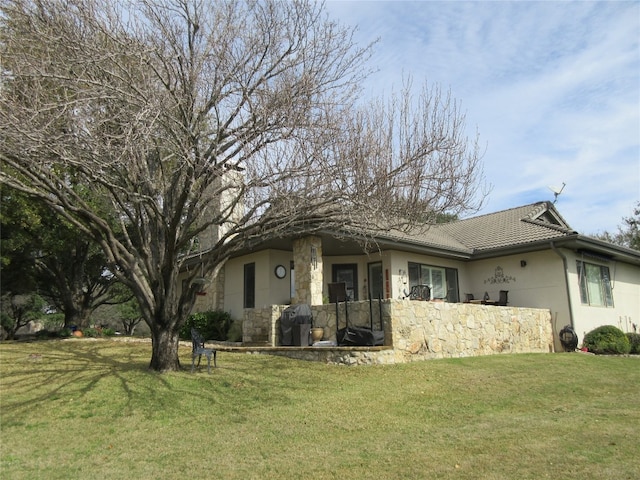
(347, 273)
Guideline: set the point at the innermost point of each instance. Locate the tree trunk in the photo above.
(164, 349)
(129, 325)
(79, 317)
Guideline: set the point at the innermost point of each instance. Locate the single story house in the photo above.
(530, 252)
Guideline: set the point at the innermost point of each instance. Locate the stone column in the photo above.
(307, 260)
(213, 299)
(217, 290)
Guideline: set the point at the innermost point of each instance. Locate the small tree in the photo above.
(234, 122)
(18, 310)
(130, 315)
(44, 253)
(628, 234)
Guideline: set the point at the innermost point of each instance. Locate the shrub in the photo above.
(108, 332)
(235, 332)
(634, 342)
(44, 334)
(91, 332)
(53, 321)
(98, 332)
(212, 325)
(607, 339)
(64, 333)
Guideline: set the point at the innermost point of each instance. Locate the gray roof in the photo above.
(531, 227)
(537, 226)
(505, 229)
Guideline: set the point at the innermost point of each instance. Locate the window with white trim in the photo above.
(595, 284)
(443, 282)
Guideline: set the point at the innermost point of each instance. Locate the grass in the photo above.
(85, 408)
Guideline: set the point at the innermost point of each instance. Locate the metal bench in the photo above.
(198, 349)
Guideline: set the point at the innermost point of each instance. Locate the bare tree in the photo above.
(234, 122)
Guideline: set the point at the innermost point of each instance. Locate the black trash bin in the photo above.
(295, 325)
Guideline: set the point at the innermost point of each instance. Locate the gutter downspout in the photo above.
(566, 280)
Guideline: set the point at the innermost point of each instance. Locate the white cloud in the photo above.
(553, 88)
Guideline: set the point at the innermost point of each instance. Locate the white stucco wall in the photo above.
(270, 290)
(625, 283)
(540, 283)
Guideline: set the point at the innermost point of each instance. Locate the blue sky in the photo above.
(553, 88)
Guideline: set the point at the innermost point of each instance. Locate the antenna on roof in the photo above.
(556, 192)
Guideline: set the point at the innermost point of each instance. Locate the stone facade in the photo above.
(414, 331)
(260, 325)
(426, 330)
(224, 206)
(212, 295)
(340, 356)
(359, 314)
(307, 254)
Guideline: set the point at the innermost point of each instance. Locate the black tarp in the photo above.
(359, 336)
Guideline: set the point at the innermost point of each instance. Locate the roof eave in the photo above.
(574, 242)
(521, 248)
(423, 249)
(616, 252)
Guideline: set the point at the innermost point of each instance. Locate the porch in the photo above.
(414, 331)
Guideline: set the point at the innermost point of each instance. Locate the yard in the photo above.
(83, 408)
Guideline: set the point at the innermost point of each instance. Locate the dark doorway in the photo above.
(347, 273)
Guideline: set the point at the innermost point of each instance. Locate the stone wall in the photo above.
(260, 326)
(212, 297)
(425, 330)
(359, 313)
(417, 330)
(339, 356)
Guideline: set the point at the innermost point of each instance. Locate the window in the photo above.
(442, 281)
(595, 284)
(250, 285)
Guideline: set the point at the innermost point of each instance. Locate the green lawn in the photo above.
(84, 408)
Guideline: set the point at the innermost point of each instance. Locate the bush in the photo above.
(634, 342)
(235, 332)
(53, 321)
(108, 332)
(91, 332)
(607, 339)
(212, 325)
(44, 334)
(64, 333)
(98, 332)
